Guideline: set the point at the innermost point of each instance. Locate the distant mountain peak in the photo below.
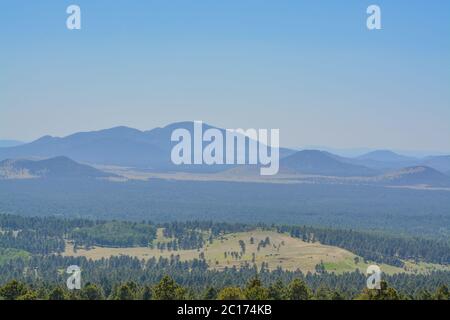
(57, 167)
(417, 175)
(316, 162)
(45, 138)
(189, 125)
(385, 156)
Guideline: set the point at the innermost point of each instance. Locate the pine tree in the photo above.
(147, 293)
(231, 293)
(277, 290)
(92, 292)
(442, 293)
(168, 289)
(255, 290)
(124, 292)
(210, 293)
(57, 294)
(298, 290)
(12, 290)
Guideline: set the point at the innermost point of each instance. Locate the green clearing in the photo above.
(11, 254)
(283, 251)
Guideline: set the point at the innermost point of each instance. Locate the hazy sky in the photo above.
(310, 68)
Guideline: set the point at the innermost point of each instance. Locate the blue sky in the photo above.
(309, 68)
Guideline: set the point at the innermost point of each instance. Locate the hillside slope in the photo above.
(58, 167)
(321, 163)
(420, 175)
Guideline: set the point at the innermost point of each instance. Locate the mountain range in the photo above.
(150, 151)
(120, 146)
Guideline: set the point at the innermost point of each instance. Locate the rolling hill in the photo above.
(284, 252)
(58, 167)
(384, 160)
(315, 162)
(416, 176)
(440, 163)
(385, 156)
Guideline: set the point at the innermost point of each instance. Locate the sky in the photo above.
(309, 68)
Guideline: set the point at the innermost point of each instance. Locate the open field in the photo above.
(281, 251)
(246, 175)
(10, 254)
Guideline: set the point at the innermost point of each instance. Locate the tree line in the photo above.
(196, 276)
(375, 246)
(168, 289)
(44, 235)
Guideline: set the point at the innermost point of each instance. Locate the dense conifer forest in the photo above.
(32, 265)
